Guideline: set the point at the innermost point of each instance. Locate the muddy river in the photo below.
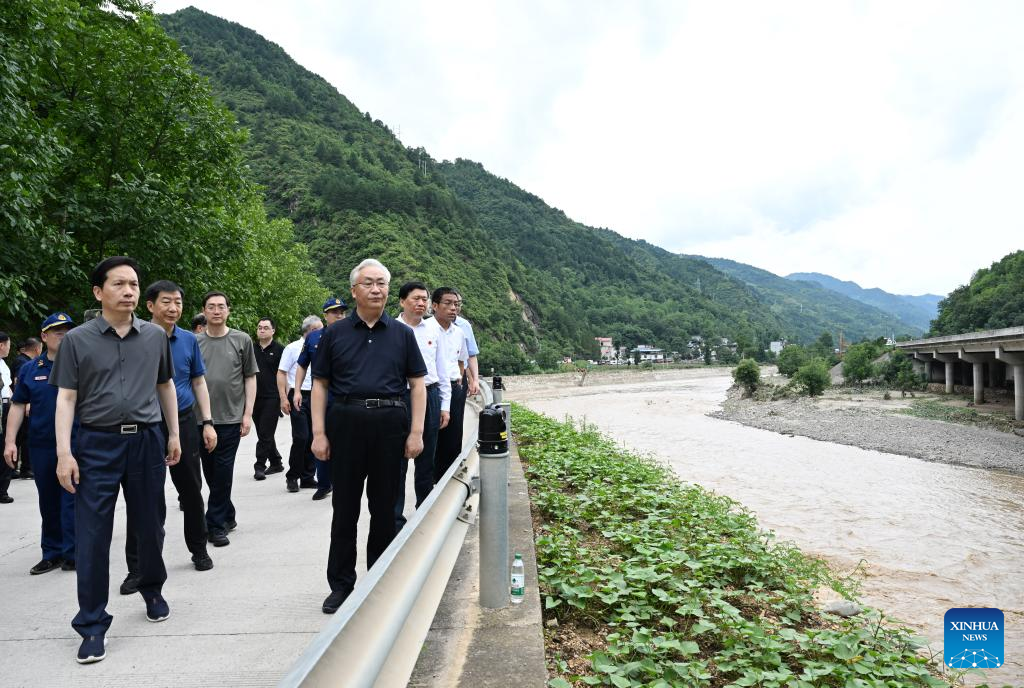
(929, 536)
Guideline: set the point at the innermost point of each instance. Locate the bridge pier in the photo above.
(1017, 361)
(949, 360)
(977, 374)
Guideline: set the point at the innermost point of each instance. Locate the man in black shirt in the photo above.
(267, 408)
(115, 374)
(365, 364)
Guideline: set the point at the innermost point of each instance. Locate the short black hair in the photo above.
(154, 290)
(410, 287)
(30, 342)
(269, 320)
(4, 337)
(211, 294)
(441, 292)
(198, 321)
(99, 273)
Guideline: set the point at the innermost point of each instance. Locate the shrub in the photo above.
(791, 358)
(814, 376)
(857, 362)
(747, 375)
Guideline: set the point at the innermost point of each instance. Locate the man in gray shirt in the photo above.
(115, 373)
(231, 378)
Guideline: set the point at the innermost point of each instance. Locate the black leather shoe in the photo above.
(321, 493)
(293, 485)
(276, 468)
(27, 475)
(307, 483)
(335, 600)
(68, 565)
(7, 499)
(202, 561)
(45, 566)
(218, 538)
(231, 525)
(130, 586)
(259, 474)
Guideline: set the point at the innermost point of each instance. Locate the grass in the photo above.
(934, 409)
(658, 583)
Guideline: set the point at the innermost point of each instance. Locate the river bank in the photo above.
(868, 421)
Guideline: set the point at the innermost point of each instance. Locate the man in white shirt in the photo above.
(472, 350)
(300, 458)
(445, 302)
(413, 298)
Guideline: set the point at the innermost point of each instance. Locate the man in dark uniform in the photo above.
(334, 310)
(164, 302)
(364, 365)
(6, 391)
(27, 350)
(267, 408)
(115, 374)
(56, 505)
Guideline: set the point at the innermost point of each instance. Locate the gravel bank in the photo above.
(880, 428)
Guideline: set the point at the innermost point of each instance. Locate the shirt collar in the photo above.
(357, 321)
(104, 326)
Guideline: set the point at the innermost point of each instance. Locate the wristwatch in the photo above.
(208, 421)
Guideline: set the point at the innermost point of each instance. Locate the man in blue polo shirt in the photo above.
(334, 310)
(56, 505)
(362, 423)
(164, 302)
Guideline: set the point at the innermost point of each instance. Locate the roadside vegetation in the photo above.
(647, 581)
(934, 409)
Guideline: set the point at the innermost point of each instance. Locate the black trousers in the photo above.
(265, 414)
(5, 470)
(300, 456)
(24, 464)
(108, 461)
(219, 469)
(449, 439)
(367, 445)
(188, 481)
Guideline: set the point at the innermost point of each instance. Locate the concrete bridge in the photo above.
(990, 358)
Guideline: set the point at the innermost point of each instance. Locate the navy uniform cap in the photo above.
(334, 302)
(56, 320)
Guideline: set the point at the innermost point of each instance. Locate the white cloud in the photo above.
(878, 142)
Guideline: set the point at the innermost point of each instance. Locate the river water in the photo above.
(931, 536)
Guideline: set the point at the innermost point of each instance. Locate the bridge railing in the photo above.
(375, 637)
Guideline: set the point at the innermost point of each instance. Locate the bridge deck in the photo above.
(240, 624)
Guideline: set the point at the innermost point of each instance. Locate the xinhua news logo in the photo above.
(973, 638)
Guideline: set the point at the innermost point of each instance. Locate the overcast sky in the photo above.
(877, 142)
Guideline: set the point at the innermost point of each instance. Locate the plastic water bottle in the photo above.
(518, 579)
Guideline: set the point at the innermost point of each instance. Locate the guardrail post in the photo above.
(494, 564)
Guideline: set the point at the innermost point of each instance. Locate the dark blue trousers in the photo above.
(56, 505)
(107, 461)
(323, 468)
(300, 456)
(219, 469)
(423, 475)
(449, 440)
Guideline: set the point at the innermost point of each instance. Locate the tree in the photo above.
(747, 375)
(824, 347)
(898, 372)
(858, 362)
(791, 358)
(814, 376)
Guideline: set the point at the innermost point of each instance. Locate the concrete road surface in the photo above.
(240, 624)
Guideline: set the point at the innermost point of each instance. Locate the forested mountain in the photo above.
(994, 298)
(539, 284)
(913, 310)
(813, 307)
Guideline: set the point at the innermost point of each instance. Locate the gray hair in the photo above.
(308, 322)
(368, 263)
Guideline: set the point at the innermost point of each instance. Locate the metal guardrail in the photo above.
(374, 639)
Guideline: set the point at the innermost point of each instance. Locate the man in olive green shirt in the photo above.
(231, 378)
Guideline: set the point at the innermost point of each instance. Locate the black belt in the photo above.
(122, 429)
(372, 403)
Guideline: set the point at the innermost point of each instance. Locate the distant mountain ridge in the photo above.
(915, 310)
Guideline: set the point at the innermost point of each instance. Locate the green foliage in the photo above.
(679, 583)
(747, 375)
(898, 372)
(993, 299)
(858, 362)
(116, 146)
(791, 358)
(814, 376)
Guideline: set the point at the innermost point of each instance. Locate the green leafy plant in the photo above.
(747, 375)
(814, 377)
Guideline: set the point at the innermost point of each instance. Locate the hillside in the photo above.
(994, 298)
(918, 311)
(812, 307)
(538, 284)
